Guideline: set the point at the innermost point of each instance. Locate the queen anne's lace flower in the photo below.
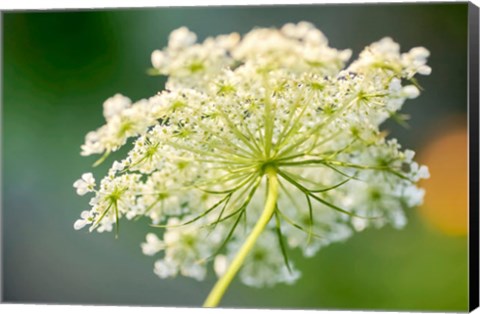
(85, 184)
(277, 103)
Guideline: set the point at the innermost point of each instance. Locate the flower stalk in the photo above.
(222, 284)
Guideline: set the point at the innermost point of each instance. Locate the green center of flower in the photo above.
(268, 164)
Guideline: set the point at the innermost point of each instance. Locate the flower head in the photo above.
(278, 102)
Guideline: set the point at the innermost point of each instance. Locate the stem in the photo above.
(222, 284)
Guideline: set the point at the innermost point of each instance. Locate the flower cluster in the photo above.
(234, 108)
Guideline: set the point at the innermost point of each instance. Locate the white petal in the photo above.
(115, 105)
(424, 70)
(165, 268)
(423, 172)
(78, 183)
(419, 53)
(118, 166)
(79, 224)
(88, 177)
(81, 190)
(409, 154)
(220, 265)
(411, 91)
(359, 223)
(152, 238)
(153, 245)
(158, 59)
(181, 38)
(85, 214)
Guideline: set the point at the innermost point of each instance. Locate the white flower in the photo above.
(181, 38)
(305, 31)
(122, 122)
(359, 223)
(118, 166)
(115, 105)
(416, 58)
(414, 196)
(158, 59)
(85, 184)
(165, 268)
(153, 245)
(86, 219)
(418, 172)
(409, 154)
(265, 265)
(238, 110)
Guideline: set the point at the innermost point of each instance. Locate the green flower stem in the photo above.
(222, 284)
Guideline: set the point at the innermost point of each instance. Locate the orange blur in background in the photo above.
(446, 199)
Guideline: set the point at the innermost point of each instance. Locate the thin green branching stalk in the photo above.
(222, 284)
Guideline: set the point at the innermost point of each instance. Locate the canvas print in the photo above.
(305, 156)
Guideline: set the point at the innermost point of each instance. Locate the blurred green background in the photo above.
(59, 67)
